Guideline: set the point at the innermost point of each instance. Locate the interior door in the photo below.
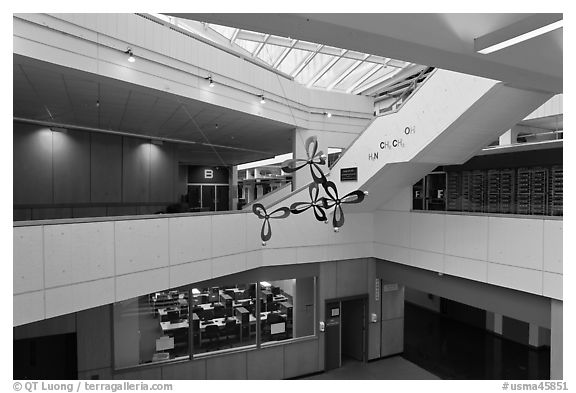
(354, 329)
(208, 197)
(222, 198)
(332, 358)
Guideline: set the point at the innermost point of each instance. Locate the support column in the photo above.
(556, 339)
(233, 189)
(509, 137)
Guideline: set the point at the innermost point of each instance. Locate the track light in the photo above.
(210, 81)
(97, 103)
(328, 114)
(262, 99)
(131, 57)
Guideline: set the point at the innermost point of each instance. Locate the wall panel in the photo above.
(32, 303)
(467, 236)
(141, 245)
(135, 170)
(266, 363)
(94, 330)
(71, 160)
(553, 249)
(227, 367)
(187, 370)
(28, 263)
(162, 173)
(78, 252)
(189, 239)
(105, 168)
(516, 242)
(71, 298)
(32, 169)
(301, 358)
(427, 232)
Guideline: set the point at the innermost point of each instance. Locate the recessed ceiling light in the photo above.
(499, 45)
(131, 57)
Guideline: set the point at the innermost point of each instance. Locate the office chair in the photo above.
(230, 329)
(212, 333)
(276, 291)
(219, 312)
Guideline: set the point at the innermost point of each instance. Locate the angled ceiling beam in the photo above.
(326, 68)
(307, 60)
(364, 77)
(375, 83)
(234, 35)
(343, 75)
(260, 46)
(284, 54)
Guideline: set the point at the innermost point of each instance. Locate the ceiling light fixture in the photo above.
(328, 114)
(131, 57)
(496, 41)
(97, 103)
(262, 99)
(210, 80)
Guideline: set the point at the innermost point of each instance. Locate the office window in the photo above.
(151, 328)
(223, 317)
(287, 309)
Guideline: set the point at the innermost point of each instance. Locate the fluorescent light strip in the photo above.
(522, 37)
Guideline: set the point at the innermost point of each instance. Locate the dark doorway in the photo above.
(48, 357)
(354, 329)
(346, 334)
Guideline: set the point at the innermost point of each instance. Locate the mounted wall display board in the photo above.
(349, 174)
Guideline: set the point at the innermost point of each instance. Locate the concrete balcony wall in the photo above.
(513, 252)
(69, 265)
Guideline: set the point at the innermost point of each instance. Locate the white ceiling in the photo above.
(439, 40)
(47, 92)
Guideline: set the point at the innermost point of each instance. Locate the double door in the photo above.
(208, 197)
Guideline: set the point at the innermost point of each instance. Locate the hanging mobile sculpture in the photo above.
(319, 205)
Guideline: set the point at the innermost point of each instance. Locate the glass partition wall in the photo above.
(174, 324)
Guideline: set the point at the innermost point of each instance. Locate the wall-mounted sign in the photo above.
(377, 290)
(389, 287)
(349, 174)
(207, 174)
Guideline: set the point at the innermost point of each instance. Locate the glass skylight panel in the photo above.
(334, 72)
(379, 74)
(271, 53)
(294, 58)
(354, 76)
(313, 68)
(250, 46)
(311, 64)
(223, 30)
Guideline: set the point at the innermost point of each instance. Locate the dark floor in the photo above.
(394, 367)
(454, 350)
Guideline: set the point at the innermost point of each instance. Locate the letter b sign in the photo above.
(208, 174)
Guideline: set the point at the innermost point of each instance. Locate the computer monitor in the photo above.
(173, 316)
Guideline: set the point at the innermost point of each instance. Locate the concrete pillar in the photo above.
(556, 339)
(538, 336)
(233, 189)
(509, 137)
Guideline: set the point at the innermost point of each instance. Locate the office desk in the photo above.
(171, 326)
(279, 298)
(242, 302)
(264, 314)
(208, 306)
